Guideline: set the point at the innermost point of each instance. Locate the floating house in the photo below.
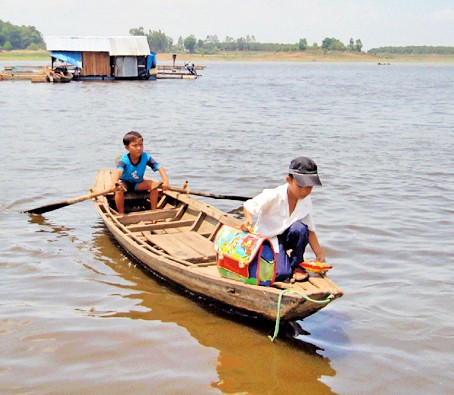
(126, 57)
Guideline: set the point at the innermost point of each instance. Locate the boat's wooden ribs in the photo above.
(180, 212)
(200, 218)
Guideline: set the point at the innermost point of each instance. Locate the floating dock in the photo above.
(45, 73)
(174, 75)
(32, 73)
(177, 72)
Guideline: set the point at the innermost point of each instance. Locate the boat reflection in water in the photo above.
(248, 362)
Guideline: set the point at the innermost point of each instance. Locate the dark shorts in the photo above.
(295, 238)
(131, 186)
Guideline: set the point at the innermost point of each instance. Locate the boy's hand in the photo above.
(247, 225)
(118, 186)
(165, 186)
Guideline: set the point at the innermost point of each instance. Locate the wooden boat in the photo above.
(60, 76)
(175, 242)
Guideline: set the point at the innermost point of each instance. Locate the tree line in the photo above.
(28, 37)
(20, 37)
(160, 42)
(417, 50)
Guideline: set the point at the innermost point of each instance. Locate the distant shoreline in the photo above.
(309, 56)
(306, 56)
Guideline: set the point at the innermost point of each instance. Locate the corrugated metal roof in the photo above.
(126, 46)
(116, 46)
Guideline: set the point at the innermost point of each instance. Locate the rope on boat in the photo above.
(279, 301)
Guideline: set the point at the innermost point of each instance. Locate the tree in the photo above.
(250, 40)
(7, 46)
(212, 39)
(15, 38)
(189, 43)
(358, 45)
(180, 43)
(137, 32)
(332, 44)
(229, 44)
(355, 46)
(211, 43)
(302, 45)
(241, 42)
(20, 37)
(157, 40)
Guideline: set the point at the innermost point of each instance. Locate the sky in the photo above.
(376, 23)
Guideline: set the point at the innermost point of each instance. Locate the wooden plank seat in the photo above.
(160, 225)
(190, 246)
(150, 215)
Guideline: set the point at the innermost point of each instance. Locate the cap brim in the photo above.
(307, 180)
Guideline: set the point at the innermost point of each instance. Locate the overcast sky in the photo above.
(375, 22)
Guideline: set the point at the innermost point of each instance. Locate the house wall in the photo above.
(126, 66)
(95, 64)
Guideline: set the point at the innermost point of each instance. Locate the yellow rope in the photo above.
(279, 301)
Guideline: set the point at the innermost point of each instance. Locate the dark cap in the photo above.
(304, 171)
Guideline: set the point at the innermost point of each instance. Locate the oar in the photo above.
(210, 195)
(56, 206)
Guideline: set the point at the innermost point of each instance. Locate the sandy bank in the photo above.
(308, 56)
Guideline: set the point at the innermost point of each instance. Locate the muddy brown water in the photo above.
(79, 316)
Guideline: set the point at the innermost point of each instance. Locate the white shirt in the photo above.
(271, 210)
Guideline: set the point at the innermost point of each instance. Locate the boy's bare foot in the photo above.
(300, 274)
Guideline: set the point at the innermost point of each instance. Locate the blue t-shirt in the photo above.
(134, 173)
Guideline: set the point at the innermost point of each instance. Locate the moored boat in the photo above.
(175, 242)
(58, 75)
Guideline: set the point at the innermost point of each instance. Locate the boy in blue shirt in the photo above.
(131, 169)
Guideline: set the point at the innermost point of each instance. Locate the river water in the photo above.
(78, 316)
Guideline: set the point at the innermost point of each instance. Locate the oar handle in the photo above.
(210, 195)
(187, 191)
(88, 196)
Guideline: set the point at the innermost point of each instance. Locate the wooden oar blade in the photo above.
(47, 208)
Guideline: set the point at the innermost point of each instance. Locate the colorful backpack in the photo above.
(244, 256)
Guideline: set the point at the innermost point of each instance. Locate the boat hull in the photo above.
(297, 301)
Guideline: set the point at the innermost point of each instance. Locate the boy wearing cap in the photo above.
(284, 215)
